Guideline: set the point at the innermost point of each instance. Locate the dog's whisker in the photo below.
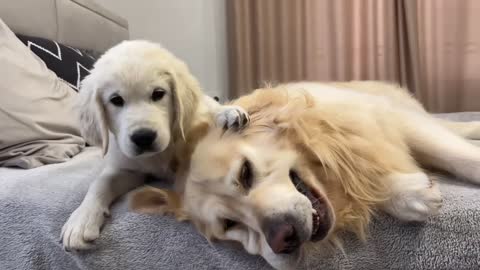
(297, 185)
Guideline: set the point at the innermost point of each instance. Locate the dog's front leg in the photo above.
(83, 225)
(414, 196)
(227, 116)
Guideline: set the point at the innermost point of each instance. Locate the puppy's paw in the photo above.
(232, 117)
(415, 198)
(83, 227)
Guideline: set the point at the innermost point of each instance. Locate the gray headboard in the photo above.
(78, 23)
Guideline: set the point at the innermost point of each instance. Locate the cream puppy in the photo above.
(139, 103)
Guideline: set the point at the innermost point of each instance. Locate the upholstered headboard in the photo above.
(77, 23)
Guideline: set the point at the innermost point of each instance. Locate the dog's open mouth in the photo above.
(320, 216)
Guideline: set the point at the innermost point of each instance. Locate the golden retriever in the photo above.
(139, 103)
(316, 159)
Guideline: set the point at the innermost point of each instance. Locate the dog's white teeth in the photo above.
(314, 211)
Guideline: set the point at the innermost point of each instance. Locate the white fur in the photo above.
(132, 70)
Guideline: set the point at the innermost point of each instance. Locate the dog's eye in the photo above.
(228, 224)
(246, 175)
(117, 101)
(158, 94)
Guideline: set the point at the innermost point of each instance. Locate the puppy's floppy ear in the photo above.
(92, 118)
(151, 200)
(186, 94)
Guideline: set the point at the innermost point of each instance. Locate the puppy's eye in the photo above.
(158, 94)
(228, 224)
(117, 101)
(246, 175)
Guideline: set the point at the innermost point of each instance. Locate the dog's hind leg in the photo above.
(467, 130)
(435, 145)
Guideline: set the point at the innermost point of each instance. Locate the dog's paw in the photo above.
(232, 117)
(415, 198)
(83, 227)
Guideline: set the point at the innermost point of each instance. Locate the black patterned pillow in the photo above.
(70, 64)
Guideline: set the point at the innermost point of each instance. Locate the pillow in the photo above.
(37, 120)
(70, 64)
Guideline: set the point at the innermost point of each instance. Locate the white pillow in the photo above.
(38, 124)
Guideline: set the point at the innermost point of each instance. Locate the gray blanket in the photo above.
(35, 203)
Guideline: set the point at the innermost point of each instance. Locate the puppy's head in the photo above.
(140, 94)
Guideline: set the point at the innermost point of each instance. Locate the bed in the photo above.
(35, 203)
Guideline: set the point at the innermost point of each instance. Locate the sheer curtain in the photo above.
(431, 46)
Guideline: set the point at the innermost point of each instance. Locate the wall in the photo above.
(193, 30)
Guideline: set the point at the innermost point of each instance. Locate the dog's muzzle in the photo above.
(284, 234)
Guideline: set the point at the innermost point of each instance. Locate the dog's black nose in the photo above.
(283, 238)
(143, 138)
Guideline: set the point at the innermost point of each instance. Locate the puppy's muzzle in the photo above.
(144, 138)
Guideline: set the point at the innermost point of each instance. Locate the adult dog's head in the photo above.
(139, 93)
(291, 178)
(260, 192)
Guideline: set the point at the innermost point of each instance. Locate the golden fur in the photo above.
(357, 144)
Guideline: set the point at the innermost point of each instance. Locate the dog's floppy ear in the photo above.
(151, 200)
(93, 124)
(186, 93)
(345, 161)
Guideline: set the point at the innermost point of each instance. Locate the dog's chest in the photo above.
(159, 167)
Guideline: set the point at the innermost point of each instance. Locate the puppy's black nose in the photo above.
(283, 238)
(143, 138)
